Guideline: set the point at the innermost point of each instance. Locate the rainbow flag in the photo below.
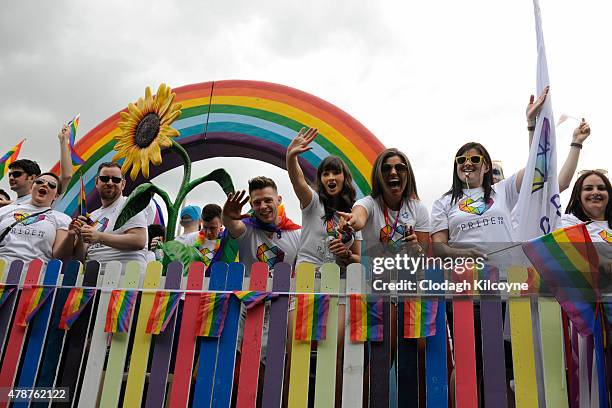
(72, 128)
(366, 318)
(5, 292)
(251, 298)
(164, 306)
(420, 318)
(76, 301)
(119, 312)
(211, 314)
(83, 200)
(568, 264)
(311, 317)
(8, 158)
(38, 296)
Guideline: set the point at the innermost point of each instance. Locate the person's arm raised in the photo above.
(65, 158)
(533, 110)
(299, 145)
(581, 133)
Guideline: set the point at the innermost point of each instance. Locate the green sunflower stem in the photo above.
(173, 210)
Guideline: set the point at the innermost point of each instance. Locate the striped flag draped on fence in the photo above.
(75, 303)
(164, 306)
(119, 312)
(366, 318)
(311, 317)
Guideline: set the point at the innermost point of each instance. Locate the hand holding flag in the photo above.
(69, 130)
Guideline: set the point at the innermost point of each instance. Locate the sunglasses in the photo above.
(399, 168)
(476, 159)
(602, 171)
(41, 182)
(16, 173)
(106, 179)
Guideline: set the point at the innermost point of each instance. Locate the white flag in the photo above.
(539, 204)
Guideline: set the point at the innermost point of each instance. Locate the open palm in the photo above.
(301, 143)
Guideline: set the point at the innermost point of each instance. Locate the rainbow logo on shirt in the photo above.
(101, 224)
(477, 207)
(24, 220)
(393, 240)
(606, 236)
(208, 255)
(270, 255)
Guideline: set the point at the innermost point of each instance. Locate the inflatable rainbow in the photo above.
(248, 119)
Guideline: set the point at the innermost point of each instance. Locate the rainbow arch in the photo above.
(248, 119)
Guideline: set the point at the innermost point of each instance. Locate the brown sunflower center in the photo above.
(147, 130)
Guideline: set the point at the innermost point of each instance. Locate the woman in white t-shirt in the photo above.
(320, 241)
(33, 230)
(590, 202)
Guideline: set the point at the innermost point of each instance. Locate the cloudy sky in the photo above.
(425, 77)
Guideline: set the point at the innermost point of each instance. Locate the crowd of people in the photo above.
(479, 208)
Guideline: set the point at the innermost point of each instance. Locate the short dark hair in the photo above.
(261, 182)
(55, 176)
(30, 167)
(5, 194)
(109, 165)
(211, 211)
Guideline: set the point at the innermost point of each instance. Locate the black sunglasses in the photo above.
(399, 167)
(16, 173)
(106, 179)
(39, 182)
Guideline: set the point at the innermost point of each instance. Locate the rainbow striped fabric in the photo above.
(420, 318)
(365, 318)
(5, 292)
(38, 296)
(211, 314)
(83, 200)
(119, 312)
(311, 317)
(568, 264)
(251, 298)
(73, 125)
(164, 306)
(8, 158)
(76, 301)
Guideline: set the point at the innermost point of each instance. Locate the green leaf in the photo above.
(176, 251)
(136, 202)
(219, 176)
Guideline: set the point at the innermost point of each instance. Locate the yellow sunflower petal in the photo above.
(164, 141)
(135, 111)
(135, 167)
(170, 117)
(141, 105)
(168, 131)
(144, 162)
(155, 153)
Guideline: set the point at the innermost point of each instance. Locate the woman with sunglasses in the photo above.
(392, 215)
(33, 230)
(320, 241)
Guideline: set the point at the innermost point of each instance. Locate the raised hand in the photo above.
(534, 107)
(64, 135)
(234, 203)
(301, 142)
(581, 132)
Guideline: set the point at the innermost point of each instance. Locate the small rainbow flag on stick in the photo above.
(211, 314)
(8, 158)
(420, 318)
(251, 298)
(73, 125)
(76, 301)
(311, 317)
(5, 292)
(366, 318)
(83, 200)
(38, 296)
(568, 264)
(164, 306)
(119, 312)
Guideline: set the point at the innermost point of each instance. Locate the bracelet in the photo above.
(578, 145)
(531, 128)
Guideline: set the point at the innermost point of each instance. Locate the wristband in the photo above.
(578, 145)
(531, 128)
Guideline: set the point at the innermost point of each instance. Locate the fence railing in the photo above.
(177, 368)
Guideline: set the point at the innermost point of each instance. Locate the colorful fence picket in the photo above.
(268, 367)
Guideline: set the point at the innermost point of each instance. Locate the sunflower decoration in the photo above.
(145, 130)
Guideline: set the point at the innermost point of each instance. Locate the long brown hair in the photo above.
(575, 204)
(456, 190)
(378, 181)
(344, 202)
